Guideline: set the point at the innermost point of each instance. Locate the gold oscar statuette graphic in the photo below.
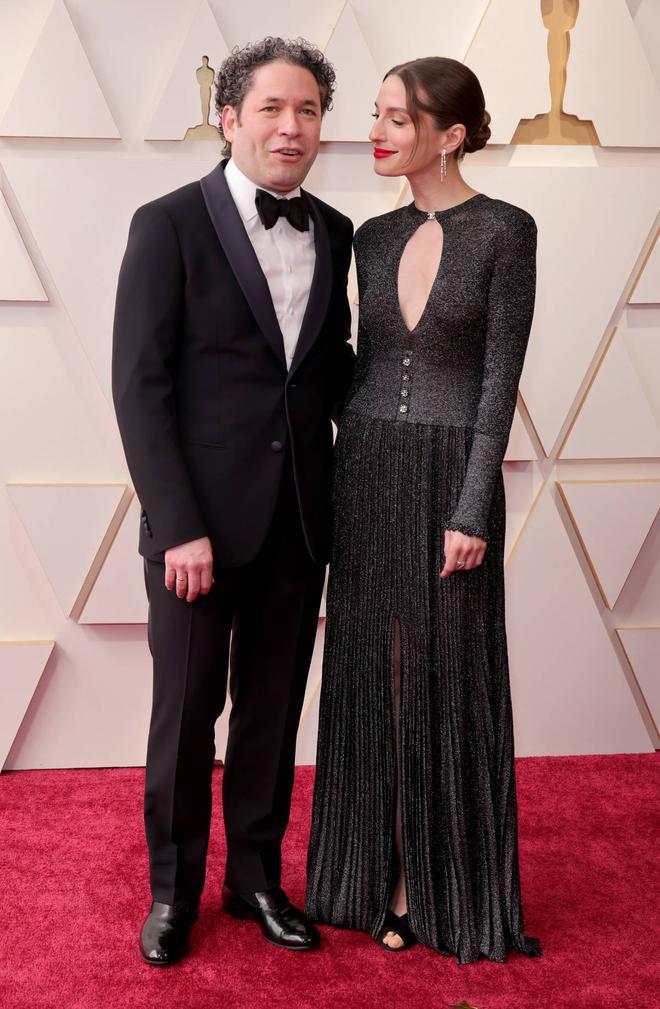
(557, 126)
(205, 131)
(463, 1005)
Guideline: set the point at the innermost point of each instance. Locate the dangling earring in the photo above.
(443, 164)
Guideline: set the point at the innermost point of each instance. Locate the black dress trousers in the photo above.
(258, 623)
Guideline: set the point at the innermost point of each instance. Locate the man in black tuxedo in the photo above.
(230, 357)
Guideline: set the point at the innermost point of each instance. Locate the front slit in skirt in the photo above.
(395, 486)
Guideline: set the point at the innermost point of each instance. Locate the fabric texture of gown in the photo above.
(419, 450)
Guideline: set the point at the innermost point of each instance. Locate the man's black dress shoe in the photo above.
(165, 933)
(281, 923)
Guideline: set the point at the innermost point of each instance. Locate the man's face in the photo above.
(277, 135)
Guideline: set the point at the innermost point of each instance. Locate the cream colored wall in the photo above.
(92, 100)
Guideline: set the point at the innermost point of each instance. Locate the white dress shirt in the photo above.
(286, 256)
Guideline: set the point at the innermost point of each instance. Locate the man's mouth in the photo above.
(289, 152)
(380, 152)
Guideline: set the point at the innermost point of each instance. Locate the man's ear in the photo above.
(229, 121)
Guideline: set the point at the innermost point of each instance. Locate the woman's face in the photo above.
(393, 134)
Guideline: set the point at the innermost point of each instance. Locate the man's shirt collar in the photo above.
(244, 190)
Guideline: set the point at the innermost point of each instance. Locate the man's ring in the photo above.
(182, 578)
(460, 564)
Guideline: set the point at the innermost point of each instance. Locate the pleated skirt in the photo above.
(395, 485)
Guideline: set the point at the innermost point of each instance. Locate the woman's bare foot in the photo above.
(399, 906)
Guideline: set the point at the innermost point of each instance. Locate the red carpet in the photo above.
(74, 886)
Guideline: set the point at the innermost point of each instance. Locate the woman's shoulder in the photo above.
(507, 218)
(375, 227)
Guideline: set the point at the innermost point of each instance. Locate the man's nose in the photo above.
(288, 123)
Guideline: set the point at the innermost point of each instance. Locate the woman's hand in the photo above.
(459, 547)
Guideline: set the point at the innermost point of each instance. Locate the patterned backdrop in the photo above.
(104, 106)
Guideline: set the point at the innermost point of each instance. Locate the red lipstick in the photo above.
(380, 152)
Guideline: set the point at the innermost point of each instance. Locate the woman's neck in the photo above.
(429, 193)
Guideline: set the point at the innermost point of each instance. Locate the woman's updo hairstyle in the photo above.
(451, 93)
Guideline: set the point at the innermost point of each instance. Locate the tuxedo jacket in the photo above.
(206, 408)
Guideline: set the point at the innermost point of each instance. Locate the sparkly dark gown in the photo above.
(419, 450)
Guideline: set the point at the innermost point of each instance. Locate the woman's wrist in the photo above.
(468, 529)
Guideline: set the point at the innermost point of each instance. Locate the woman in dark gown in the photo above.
(415, 799)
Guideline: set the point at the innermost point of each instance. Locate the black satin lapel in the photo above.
(319, 294)
(242, 258)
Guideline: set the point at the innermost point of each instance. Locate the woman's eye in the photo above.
(397, 123)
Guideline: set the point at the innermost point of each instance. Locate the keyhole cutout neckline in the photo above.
(429, 215)
(433, 281)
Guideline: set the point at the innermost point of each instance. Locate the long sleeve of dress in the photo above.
(511, 299)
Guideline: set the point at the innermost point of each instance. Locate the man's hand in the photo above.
(459, 547)
(189, 568)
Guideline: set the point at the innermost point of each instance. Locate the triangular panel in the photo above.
(520, 447)
(18, 277)
(118, 595)
(522, 483)
(58, 94)
(358, 82)
(616, 419)
(60, 199)
(186, 103)
(647, 289)
(21, 666)
(47, 426)
(322, 609)
(309, 719)
(642, 646)
(509, 56)
(612, 519)
(609, 80)
(70, 527)
(570, 693)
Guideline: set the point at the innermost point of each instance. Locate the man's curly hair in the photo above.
(234, 78)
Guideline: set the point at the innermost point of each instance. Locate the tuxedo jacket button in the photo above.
(276, 446)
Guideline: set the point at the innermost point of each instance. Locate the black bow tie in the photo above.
(270, 209)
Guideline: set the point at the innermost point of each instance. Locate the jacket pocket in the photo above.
(204, 444)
